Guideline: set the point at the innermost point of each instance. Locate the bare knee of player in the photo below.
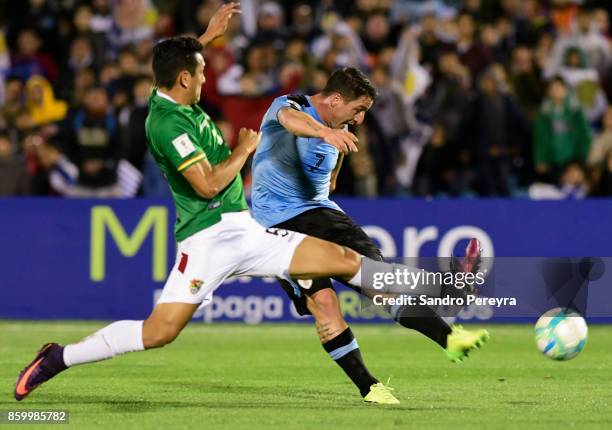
(326, 302)
(165, 323)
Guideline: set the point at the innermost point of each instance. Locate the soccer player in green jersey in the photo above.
(216, 235)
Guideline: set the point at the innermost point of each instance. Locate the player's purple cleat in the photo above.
(48, 363)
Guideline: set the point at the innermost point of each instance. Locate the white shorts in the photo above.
(235, 246)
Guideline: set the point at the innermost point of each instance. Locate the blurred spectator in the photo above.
(154, 183)
(339, 47)
(574, 181)
(128, 69)
(563, 14)
(584, 82)
(303, 22)
(542, 53)
(84, 80)
(389, 124)
(526, 81)
(81, 55)
(271, 25)
(24, 124)
(13, 103)
(362, 166)
(13, 178)
(5, 64)
(531, 22)
(318, 81)
(94, 27)
(493, 133)
(472, 53)
(437, 169)
(302, 62)
(602, 178)
(131, 119)
(474, 9)
(41, 102)
(190, 15)
(254, 77)
(29, 60)
(378, 33)
(102, 17)
(601, 22)
(94, 146)
(446, 99)
(39, 159)
(497, 40)
(389, 109)
(572, 185)
(585, 37)
(602, 143)
(561, 132)
(599, 161)
(132, 23)
(43, 17)
(430, 43)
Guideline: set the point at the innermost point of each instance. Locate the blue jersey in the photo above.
(290, 174)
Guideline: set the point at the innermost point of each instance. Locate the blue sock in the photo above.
(344, 350)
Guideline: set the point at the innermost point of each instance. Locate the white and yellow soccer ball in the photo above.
(561, 334)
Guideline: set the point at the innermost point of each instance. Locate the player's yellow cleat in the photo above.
(381, 394)
(461, 341)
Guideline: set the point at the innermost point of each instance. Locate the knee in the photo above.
(158, 335)
(326, 303)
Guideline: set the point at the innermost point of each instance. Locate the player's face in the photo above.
(195, 81)
(350, 113)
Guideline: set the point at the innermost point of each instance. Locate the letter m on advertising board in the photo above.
(103, 218)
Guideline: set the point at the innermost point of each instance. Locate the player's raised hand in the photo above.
(343, 140)
(248, 140)
(217, 25)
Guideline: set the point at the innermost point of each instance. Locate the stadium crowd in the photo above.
(476, 97)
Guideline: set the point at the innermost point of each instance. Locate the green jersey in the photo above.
(179, 136)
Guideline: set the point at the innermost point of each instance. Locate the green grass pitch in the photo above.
(278, 377)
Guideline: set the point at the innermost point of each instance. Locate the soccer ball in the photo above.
(561, 333)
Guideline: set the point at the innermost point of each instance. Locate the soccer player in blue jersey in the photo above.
(304, 140)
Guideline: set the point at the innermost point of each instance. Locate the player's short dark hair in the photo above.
(350, 83)
(171, 56)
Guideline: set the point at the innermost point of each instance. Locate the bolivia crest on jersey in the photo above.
(195, 285)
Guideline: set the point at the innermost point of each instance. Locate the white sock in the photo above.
(114, 339)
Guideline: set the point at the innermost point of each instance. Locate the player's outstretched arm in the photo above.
(217, 25)
(208, 180)
(303, 125)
